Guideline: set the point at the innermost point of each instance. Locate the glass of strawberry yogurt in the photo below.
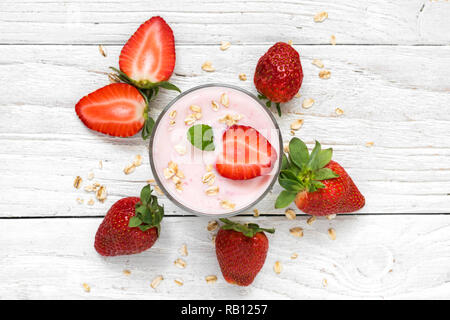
(215, 150)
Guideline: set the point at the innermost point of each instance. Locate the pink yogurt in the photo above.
(169, 143)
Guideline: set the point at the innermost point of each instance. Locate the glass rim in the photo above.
(167, 193)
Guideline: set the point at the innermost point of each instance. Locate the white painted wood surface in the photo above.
(389, 74)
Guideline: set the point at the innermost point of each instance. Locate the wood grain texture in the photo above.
(395, 102)
(376, 257)
(208, 22)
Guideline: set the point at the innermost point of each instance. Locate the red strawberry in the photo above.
(117, 109)
(279, 74)
(149, 55)
(131, 225)
(241, 251)
(246, 154)
(318, 185)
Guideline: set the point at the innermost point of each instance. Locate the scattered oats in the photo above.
(255, 213)
(213, 240)
(90, 175)
(290, 214)
(207, 66)
(227, 204)
(318, 63)
(181, 150)
(91, 202)
(290, 42)
(331, 216)
(332, 234)
(86, 287)
(210, 279)
(277, 267)
(179, 187)
(180, 174)
(369, 144)
(173, 166)
(190, 119)
(168, 173)
(292, 132)
(286, 147)
(333, 39)
(212, 225)
(311, 220)
(296, 232)
(155, 283)
(101, 194)
(129, 169)
(308, 103)
(150, 181)
(339, 111)
(137, 160)
(90, 188)
(184, 250)
(180, 263)
(321, 16)
(242, 76)
(176, 180)
(298, 95)
(297, 124)
(80, 200)
(224, 45)
(96, 184)
(212, 191)
(77, 182)
(102, 50)
(173, 114)
(172, 122)
(209, 167)
(158, 190)
(178, 282)
(126, 272)
(215, 105)
(195, 108)
(324, 74)
(224, 100)
(100, 164)
(325, 282)
(230, 120)
(294, 256)
(209, 177)
(198, 115)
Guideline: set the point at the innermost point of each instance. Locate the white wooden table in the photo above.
(390, 74)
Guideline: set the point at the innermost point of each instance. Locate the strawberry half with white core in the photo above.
(148, 58)
(318, 185)
(246, 154)
(118, 109)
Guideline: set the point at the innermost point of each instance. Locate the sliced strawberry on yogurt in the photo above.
(246, 154)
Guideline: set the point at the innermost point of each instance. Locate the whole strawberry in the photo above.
(241, 251)
(278, 74)
(131, 225)
(318, 185)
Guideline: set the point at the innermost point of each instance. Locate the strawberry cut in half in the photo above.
(148, 58)
(118, 109)
(246, 154)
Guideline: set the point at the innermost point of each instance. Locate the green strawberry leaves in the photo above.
(148, 212)
(269, 103)
(201, 136)
(249, 230)
(302, 171)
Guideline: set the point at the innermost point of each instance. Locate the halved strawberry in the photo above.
(149, 55)
(118, 109)
(246, 154)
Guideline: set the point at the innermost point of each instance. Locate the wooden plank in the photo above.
(208, 22)
(373, 257)
(398, 103)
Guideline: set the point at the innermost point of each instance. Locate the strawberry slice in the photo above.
(246, 154)
(149, 55)
(118, 109)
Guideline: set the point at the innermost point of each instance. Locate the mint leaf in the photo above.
(298, 152)
(284, 199)
(324, 174)
(134, 222)
(202, 137)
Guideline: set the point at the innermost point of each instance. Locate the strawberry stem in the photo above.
(148, 213)
(248, 230)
